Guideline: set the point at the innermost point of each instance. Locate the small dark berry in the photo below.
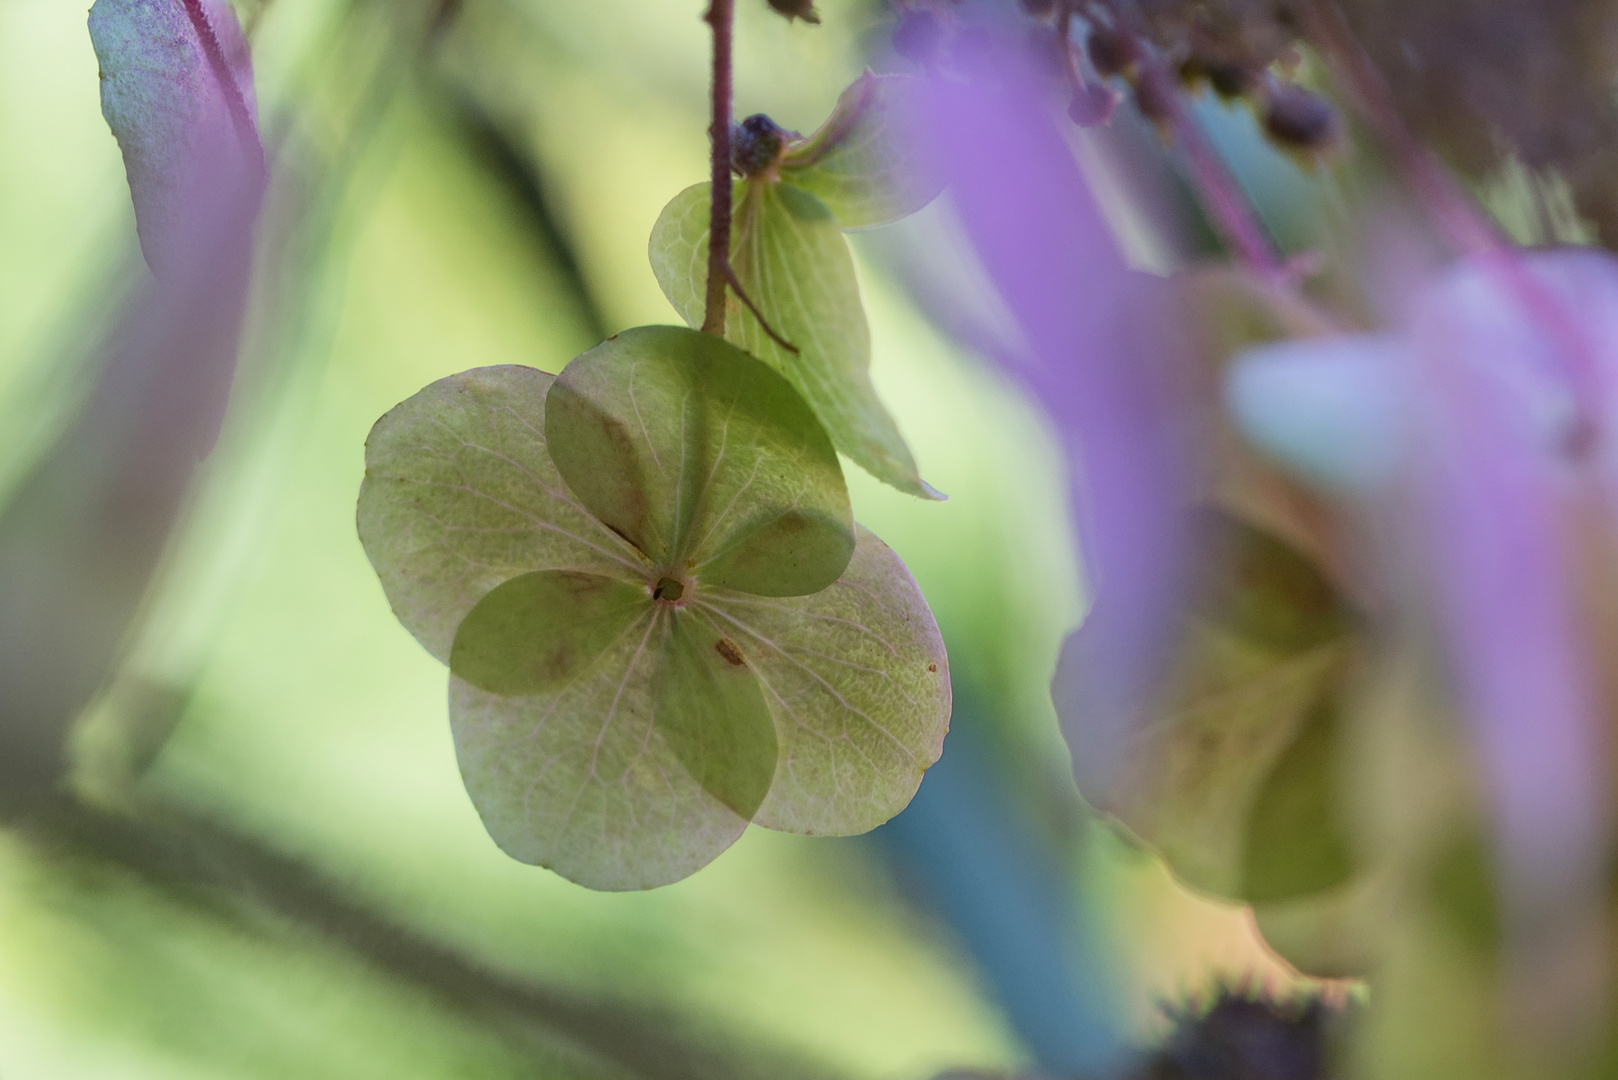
(919, 37)
(755, 145)
(797, 9)
(1248, 1038)
(1039, 9)
(1092, 106)
(1300, 119)
(1111, 53)
(1230, 80)
(1152, 98)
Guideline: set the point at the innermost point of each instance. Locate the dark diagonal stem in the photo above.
(720, 16)
(235, 101)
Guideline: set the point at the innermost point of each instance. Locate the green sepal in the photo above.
(867, 163)
(791, 258)
(705, 459)
(539, 630)
(710, 710)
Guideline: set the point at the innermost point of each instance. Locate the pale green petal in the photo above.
(537, 631)
(1234, 776)
(578, 779)
(460, 496)
(711, 712)
(858, 682)
(866, 162)
(705, 459)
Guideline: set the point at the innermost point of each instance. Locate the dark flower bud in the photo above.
(1039, 9)
(1111, 53)
(1152, 98)
(1300, 119)
(797, 9)
(755, 145)
(1228, 78)
(919, 37)
(1092, 106)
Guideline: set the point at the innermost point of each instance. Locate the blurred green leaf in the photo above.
(1296, 844)
(791, 258)
(864, 162)
(1335, 933)
(1233, 778)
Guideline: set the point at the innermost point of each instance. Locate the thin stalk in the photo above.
(720, 17)
(764, 324)
(1227, 204)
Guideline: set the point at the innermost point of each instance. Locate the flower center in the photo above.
(668, 589)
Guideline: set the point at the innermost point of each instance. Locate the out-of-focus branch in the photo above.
(195, 859)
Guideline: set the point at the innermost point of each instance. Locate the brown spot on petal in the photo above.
(933, 668)
(727, 648)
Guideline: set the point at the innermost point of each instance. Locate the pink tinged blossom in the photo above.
(1487, 436)
(177, 92)
(84, 533)
(1097, 358)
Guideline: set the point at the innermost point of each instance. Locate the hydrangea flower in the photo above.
(1477, 441)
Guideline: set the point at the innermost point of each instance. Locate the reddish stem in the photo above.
(720, 16)
(235, 100)
(1227, 204)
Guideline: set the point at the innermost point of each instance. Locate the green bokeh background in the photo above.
(303, 716)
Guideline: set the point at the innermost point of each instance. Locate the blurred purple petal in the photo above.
(85, 532)
(1332, 409)
(1098, 347)
(1497, 481)
(177, 91)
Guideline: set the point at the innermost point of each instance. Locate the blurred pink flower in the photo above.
(1100, 355)
(1480, 441)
